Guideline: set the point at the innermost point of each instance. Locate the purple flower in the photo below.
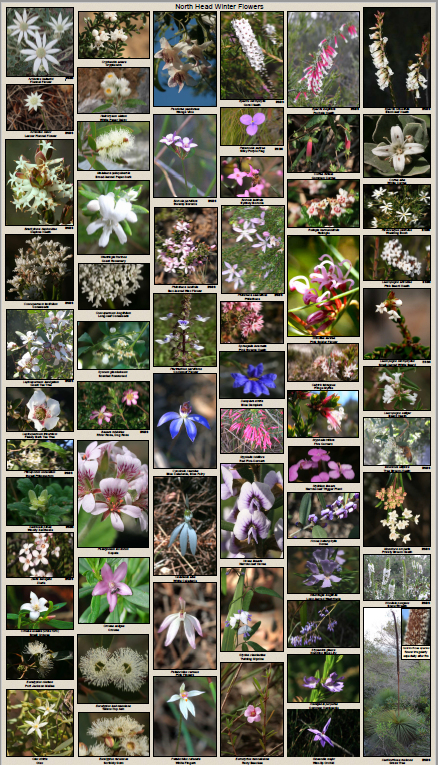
(321, 737)
(313, 518)
(255, 381)
(255, 496)
(333, 683)
(251, 526)
(327, 577)
(293, 471)
(310, 682)
(327, 513)
(173, 622)
(278, 533)
(337, 470)
(112, 585)
(185, 417)
(229, 474)
(252, 123)
(320, 477)
(185, 143)
(318, 454)
(331, 626)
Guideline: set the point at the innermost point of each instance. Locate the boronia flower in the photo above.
(185, 705)
(173, 623)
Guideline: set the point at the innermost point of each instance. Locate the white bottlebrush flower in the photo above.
(250, 46)
(398, 149)
(34, 101)
(35, 607)
(41, 52)
(43, 411)
(94, 666)
(23, 26)
(185, 705)
(112, 213)
(59, 25)
(35, 649)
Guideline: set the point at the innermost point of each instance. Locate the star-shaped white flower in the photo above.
(35, 726)
(185, 705)
(398, 149)
(35, 607)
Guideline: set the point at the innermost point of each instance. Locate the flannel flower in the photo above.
(185, 417)
(173, 622)
(185, 705)
(254, 382)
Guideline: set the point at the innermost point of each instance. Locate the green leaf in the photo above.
(256, 683)
(318, 119)
(52, 446)
(319, 533)
(139, 598)
(244, 647)
(304, 510)
(25, 485)
(85, 338)
(59, 625)
(102, 108)
(321, 499)
(236, 603)
(247, 600)
(95, 609)
(193, 192)
(256, 646)
(133, 102)
(267, 591)
(224, 581)
(91, 141)
(127, 227)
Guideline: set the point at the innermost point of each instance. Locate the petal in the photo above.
(193, 540)
(175, 697)
(166, 417)
(131, 510)
(196, 623)
(413, 148)
(383, 151)
(183, 708)
(397, 135)
(183, 539)
(190, 632)
(165, 623)
(199, 418)
(175, 427)
(172, 631)
(92, 227)
(124, 589)
(26, 607)
(50, 423)
(175, 533)
(190, 428)
(104, 237)
(195, 693)
(120, 233)
(190, 707)
(120, 572)
(251, 129)
(100, 588)
(258, 118)
(112, 601)
(398, 162)
(246, 119)
(117, 522)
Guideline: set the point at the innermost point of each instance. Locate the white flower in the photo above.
(115, 143)
(173, 622)
(374, 223)
(406, 538)
(386, 207)
(111, 215)
(397, 150)
(245, 231)
(185, 705)
(381, 308)
(35, 607)
(59, 26)
(47, 709)
(377, 193)
(43, 411)
(35, 726)
(40, 52)
(403, 214)
(34, 101)
(23, 26)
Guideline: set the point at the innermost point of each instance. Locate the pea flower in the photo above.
(43, 411)
(252, 123)
(35, 607)
(251, 526)
(321, 736)
(173, 622)
(252, 713)
(112, 585)
(185, 705)
(185, 417)
(255, 382)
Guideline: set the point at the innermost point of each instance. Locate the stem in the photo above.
(179, 735)
(376, 256)
(185, 179)
(392, 93)
(111, 304)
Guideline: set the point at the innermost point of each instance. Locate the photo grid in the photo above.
(217, 241)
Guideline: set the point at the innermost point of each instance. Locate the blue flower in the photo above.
(255, 381)
(185, 417)
(186, 534)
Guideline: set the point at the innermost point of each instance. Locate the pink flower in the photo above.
(238, 175)
(309, 150)
(253, 714)
(130, 396)
(173, 622)
(352, 31)
(112, 585)
(86, 471)
(101, 415)
(116, 501)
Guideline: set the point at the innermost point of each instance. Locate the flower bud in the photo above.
(109, 741)
(93, 206)
(83, 749)
(309, 151)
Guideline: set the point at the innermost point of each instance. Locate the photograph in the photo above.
(111, 34)
(39, 501)
(128, 735)
(259, 272)
(416, 626)
(114, 406)
(330, 726)
(30, 738)
(252, 322)
(388, 390)
(39, 107)
(317, 678)
(328, 464)
(408, 206)
(185, 629)
(319, 363)
(322, 414)
(178, 171)
(185, 53)
(113, 286)
(396, 65)
(39, 267)
(323, 204)
(31, 454)
(252, 55)
(396, 145)
(315, 570)
(111, 207)
(396, 691)
(246, 126)
(252, 609)
(28, 659)
(253, 376)
(396, 441)
(252, 510)
(38, 44)
(256, 693)
(404, 258)
(323, 144)
(54, 612)
(185, 245)
(398, 577)
(388, 521)
(402, 334)
(112, 146)
(113, 591)
(111, 93)
(185, 529)
(113, 669)
(35, 554)
(252, 431)
(195, 735)
(189, 400)
(323, 623)
(242, 176)
(113, 344)
(322, 515)
(185, 330)
(39, 411)
(39, 344)
(112, 480)
(323, 59)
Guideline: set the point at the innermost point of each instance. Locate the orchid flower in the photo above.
(173, 622)
(185, 417)
(186, 533)
(185, 705)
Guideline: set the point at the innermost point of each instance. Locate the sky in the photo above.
(374, 619)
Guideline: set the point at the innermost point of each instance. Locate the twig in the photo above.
(376, 256)
(230, 686)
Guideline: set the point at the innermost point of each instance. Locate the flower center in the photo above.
(253, 713)
(23, 26)
(253, 379)
(99, 666)
(40, 53)
(184, 696)
(115, 503)
(39, 413)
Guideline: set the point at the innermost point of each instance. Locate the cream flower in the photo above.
(43, 411)
(398, 149)
(34, 101)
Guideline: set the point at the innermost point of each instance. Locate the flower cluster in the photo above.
(252, 427)
(180, 73)
(309, 631)
(415, 80)
(39, 51)
(240, 618)
(258, 185)
(378, 53)
(173, 622)
(40, 267)
(29, 558)
(336, 365)
(251, 534)
(115, 89)
(339, 509)
(182, 337)
(114, 144)
(318, 403)
(124, 489)
(262, 261)
(48, 711)
(250, 46)
(317, 461)
(125, 668)
(332, 683)
(396, 258)
(333, 281)
(181, 146)
(44, 348)
(402, 208)
(396, 520)
(390, 307)
(338, 205)
(396, 391)
(116, 736)
(101, 36)
(38, 187)
(241, 319)
(414, 584)
(41, 655)
(109, 282)
(182, 255)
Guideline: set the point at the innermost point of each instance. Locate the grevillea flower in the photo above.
(116, 500)
(112, 585)
(185, 705)
(173, 622)
(253, 714)
(254, 382)
(252, 123)
(185, 417)
(321, 736)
